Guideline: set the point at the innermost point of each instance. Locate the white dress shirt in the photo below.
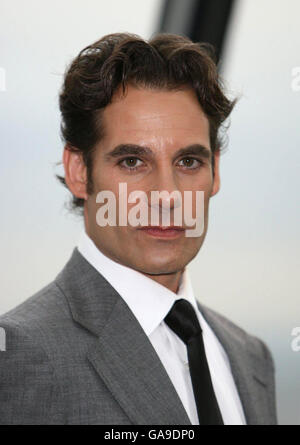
(150, 302)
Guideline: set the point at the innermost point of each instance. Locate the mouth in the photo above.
(163, 232)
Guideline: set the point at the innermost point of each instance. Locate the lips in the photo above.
(163, 227)
(163, 232)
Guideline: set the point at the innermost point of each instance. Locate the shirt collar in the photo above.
(148, 300)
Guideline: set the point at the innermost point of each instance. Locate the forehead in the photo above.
(146, 113)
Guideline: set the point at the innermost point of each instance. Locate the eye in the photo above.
(130, 163)
(190, 163)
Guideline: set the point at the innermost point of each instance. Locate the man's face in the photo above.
(164, 123)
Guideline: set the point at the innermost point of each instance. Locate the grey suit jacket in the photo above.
(76, 354)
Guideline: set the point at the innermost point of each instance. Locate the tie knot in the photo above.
(182, 319)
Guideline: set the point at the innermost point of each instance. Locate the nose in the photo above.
(165, 189)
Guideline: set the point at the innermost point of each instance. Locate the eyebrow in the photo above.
(139, 150)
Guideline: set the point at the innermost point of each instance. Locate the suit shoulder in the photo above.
(36, 311)
(215, 317)
(20, 326)
(28, 386)
(255, 345)
(31, 329)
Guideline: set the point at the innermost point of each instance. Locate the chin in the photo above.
(160, 267)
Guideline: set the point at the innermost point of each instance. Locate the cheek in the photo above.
(198, 201)
(203, 182)
(105, 179)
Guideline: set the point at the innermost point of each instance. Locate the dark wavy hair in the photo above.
(165, 62)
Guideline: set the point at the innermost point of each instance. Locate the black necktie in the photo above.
(182, 319)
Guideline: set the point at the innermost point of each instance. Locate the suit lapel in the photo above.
(123, 355)
(247, 369)
(131, 369)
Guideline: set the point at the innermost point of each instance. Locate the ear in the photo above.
(75, 173)
(216, 184)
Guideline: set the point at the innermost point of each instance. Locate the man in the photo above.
(106, 342)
